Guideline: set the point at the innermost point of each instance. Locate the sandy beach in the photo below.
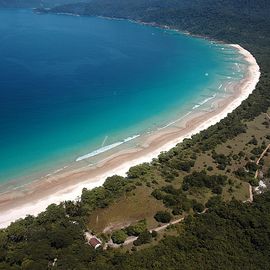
(68, 183)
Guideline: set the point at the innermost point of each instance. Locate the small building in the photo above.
(94, 242)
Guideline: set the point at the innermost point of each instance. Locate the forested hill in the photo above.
(213, 18)
(148, 8)
(246, 22)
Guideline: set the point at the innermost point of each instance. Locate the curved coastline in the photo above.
(67, 185)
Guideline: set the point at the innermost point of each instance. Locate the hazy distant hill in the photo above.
(143, 8)
(213, 18)
(37, 3)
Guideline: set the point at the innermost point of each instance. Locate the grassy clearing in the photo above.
(125, 211)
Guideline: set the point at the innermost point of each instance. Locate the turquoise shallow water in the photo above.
(70, 86)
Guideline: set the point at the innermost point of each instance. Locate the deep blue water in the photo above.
(68, 82)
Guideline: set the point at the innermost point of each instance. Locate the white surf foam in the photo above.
(106, 148)
(174, 122)
(204, 101)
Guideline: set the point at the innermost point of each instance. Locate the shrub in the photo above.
(138, 171)
(154, 234)
(119, 237)
(186, 165)
(217, 190)
(163, 216)
(115, 184)
(221, 159)
(213, 201)
(136, 229)
(252, 167)
(201, 179)
(144, 238)
(221, 167)
(240, 172)
(177, 211)
(253, 141)
(198, 207)
(157, 194)
(256, 151)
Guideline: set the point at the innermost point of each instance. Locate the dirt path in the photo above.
(263, 153)
(259, 159)
(157, 229)
(131, 239)
(250, 199)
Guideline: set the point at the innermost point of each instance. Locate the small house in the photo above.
(94, 242)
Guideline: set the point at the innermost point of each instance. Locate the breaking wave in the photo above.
(106, 148)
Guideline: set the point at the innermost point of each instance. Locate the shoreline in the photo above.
(68, 185)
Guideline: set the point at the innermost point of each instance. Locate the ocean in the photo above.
(72, 88)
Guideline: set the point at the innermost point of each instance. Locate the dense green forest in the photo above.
(228, 236)
(232, 235)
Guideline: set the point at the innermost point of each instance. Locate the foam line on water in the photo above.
(205, 100)
(106, 148)
(188, 113)
(173, 122)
